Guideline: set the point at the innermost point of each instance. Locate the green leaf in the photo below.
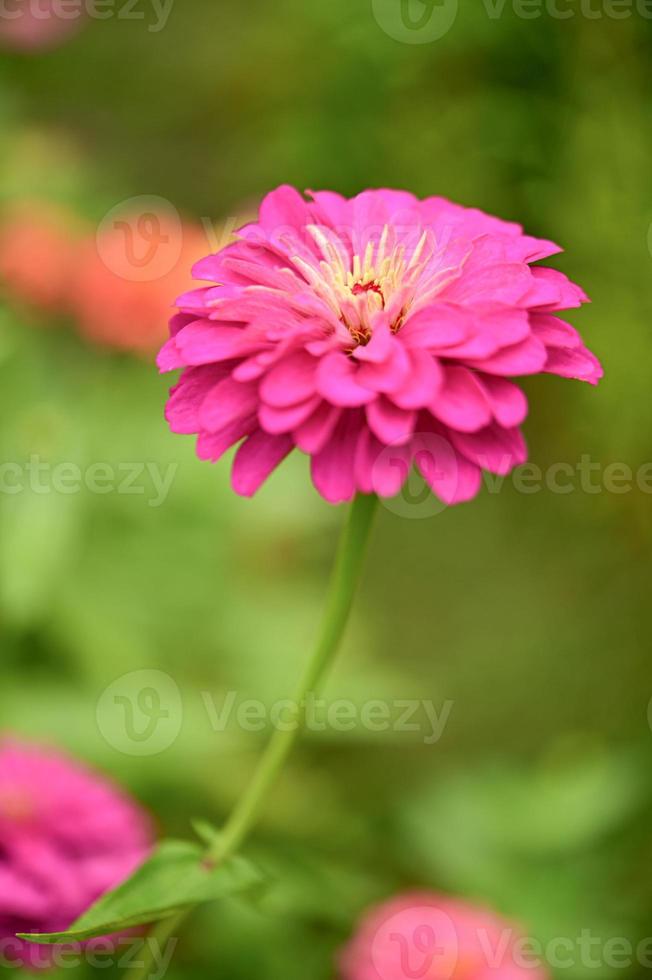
(173, 880)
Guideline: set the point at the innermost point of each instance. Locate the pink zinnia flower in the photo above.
(371, 334)
(66, 837)
(422, 936)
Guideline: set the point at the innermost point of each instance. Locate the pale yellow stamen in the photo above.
(358, 288)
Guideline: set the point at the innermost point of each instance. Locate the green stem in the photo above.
(345, 576)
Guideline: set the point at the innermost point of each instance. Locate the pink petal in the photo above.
(435, 327)
(313, 434)
(337, 381)
(389, 423)
(461, 402)
(554, 291)
(284, 208)
(554, 332)
(227, 402)
(488, 331)
(215, 268)
(381, 345)
(494, 448)
(470, 222)
(257, 457)
(508, 402)
(374, 209)
(332, 469)
(276, 420)
(179, 321)
(528, 357)
(424, 381)
(381, 469)
(204, 341)
(253, 368)
(536, 249)
(186, 398)
(331, 208)
(169, 357)
(449, 475)
(290, 381)
(195, 301)
(388, 375)
(506, 283)
(212, 445)
(576, 363)
(21, 898)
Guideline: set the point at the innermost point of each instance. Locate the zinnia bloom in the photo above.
(434, 937)
(66, 837)
(371, 334)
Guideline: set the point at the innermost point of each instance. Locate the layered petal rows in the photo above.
(66, 837)
(374, 334)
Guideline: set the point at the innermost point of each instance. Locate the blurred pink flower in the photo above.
(36, 25)
(67, 835)
(423, 936)
(370, 333)
(38, 255)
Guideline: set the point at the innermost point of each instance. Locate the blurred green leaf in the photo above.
(174, 879)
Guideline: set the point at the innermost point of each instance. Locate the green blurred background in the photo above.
(530, 612)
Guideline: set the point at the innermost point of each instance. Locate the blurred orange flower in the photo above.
(38, 254)
(115, 310)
